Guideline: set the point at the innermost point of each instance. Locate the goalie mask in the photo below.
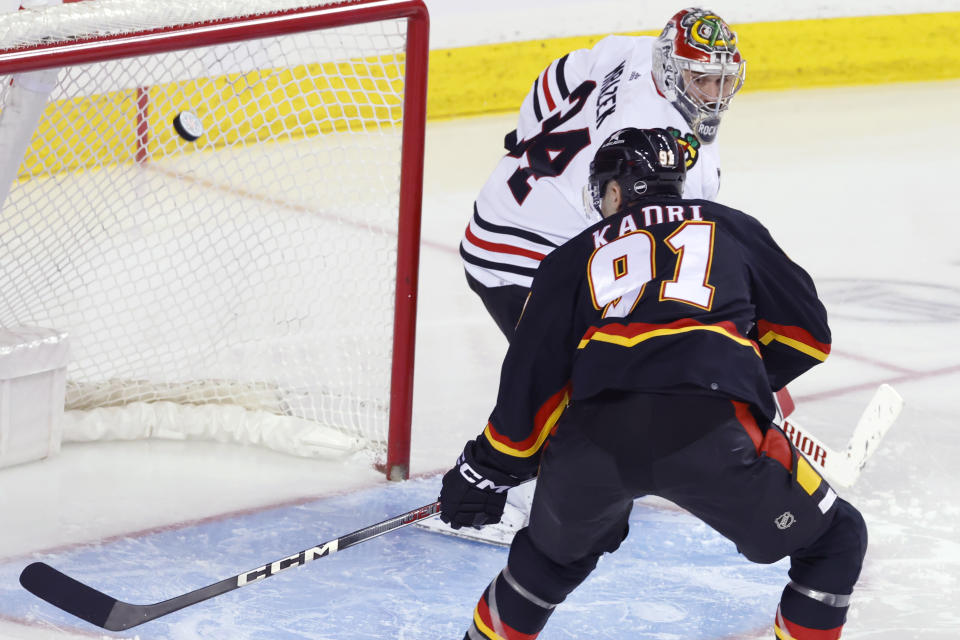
(698, 68)
(644, 162)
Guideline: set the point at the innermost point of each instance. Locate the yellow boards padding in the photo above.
(794, 54)
(280, 104)
(277, 104)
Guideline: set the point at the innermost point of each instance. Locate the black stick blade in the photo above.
(101, 610)
(65, 593)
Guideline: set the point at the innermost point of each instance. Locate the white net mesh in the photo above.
(254, 266)
(98, 18)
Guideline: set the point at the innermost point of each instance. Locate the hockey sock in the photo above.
(550, 581)
(518, 603)
(508, 611)
(822, 614)
(814, 604)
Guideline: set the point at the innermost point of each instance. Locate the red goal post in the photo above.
(288, 140)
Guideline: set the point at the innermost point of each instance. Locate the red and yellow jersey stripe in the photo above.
(793, 337)
(544, 421)
(629, 335)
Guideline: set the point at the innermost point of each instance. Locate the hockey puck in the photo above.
(188, 125)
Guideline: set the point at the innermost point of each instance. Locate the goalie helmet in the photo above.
(644, 162)
(698, 68)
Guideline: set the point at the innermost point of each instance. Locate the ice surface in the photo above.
(856, 184)
(681, 576)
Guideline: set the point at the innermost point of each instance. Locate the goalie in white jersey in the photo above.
(682, 81)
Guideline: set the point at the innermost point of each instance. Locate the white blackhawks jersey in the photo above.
(533, 201)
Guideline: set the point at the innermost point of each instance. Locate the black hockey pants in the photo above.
(705, 454)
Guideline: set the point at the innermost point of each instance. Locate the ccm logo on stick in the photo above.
(303, 557)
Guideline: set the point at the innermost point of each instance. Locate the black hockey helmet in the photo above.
(644, 162)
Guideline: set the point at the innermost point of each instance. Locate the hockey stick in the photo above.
(106, 612)
(843, 468)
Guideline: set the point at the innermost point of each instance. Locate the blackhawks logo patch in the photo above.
(708, 32)
(689, 144)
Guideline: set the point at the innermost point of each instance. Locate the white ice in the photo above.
(856, 185)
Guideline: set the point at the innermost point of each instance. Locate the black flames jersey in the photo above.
(668, 295)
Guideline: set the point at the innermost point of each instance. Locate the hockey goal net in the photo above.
(249, 272)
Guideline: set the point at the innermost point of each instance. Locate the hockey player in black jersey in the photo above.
(682, 80)
(645, 357)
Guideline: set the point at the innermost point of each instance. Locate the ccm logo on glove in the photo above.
(474, 490)
(474, 477)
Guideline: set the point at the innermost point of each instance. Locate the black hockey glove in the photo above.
(474, 493)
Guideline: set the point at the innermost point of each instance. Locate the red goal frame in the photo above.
(104, 48)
